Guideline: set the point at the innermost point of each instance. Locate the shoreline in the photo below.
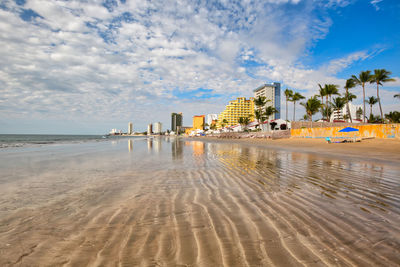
(377, 150)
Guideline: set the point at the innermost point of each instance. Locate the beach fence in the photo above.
(365, 131)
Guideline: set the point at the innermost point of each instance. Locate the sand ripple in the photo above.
(227, 206)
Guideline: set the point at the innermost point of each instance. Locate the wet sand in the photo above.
(382, 150)
(193, 203)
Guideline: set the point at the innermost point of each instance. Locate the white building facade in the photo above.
(340, 115)
(150, 129)
(272, 92)
(157, 128)
(210, 118)
(130, 128)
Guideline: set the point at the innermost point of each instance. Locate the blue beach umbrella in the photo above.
(348, 129)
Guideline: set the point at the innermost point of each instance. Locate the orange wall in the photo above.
(373, 130)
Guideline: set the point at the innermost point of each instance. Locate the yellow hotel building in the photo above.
(241, 107)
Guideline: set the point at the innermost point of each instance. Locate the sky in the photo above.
(85, 67)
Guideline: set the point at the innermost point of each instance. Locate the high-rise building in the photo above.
(241, 107)
(198, 122)
(157, 127)
(149, 129)
(130, 128)
(176, 121)
(210, 118)
(272, 92)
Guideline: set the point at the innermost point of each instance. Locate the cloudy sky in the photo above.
(85, 67)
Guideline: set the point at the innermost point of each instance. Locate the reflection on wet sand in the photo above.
(177, 148)
(130, 145)
(200, 204)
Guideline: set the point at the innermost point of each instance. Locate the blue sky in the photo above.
(85, 67)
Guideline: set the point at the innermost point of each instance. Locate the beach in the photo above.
(374, 149)
(200, 202)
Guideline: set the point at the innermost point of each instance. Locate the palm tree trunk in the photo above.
(286, 108)
(311, 120)
(326, 106)
(348, 111)
(379, 100)
(322, 111)
(363, 102)
(347, 105)
(370, 111)
(294, 110)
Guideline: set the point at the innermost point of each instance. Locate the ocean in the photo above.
(22, 140)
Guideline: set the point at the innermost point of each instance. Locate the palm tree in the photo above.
(371, 101)
(349, 84)
(331, 89)
(288, 95)
(326, 111)
(363, 77)
(312, 106)
(349, 97)
(338, 103)
(359, 113)
(380, 76)
(224, 122)
(214, 125)
(295, 97)
(270, 110)
(393, 116)
(259, 115)
(247, 120)
(243, 121)
(322, 93)
(260, 103)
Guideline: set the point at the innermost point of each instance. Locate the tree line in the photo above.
(322, 102)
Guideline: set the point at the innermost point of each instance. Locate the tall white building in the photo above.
(210, 118)
(130, 128)
(149, 129)
(272, 92)
(157, 128)
(341, 114)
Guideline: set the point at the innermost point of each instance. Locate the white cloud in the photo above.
(375, 3)
(79, 60)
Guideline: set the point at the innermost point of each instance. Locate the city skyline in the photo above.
(83, 68)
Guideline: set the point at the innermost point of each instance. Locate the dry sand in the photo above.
(222, 205)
